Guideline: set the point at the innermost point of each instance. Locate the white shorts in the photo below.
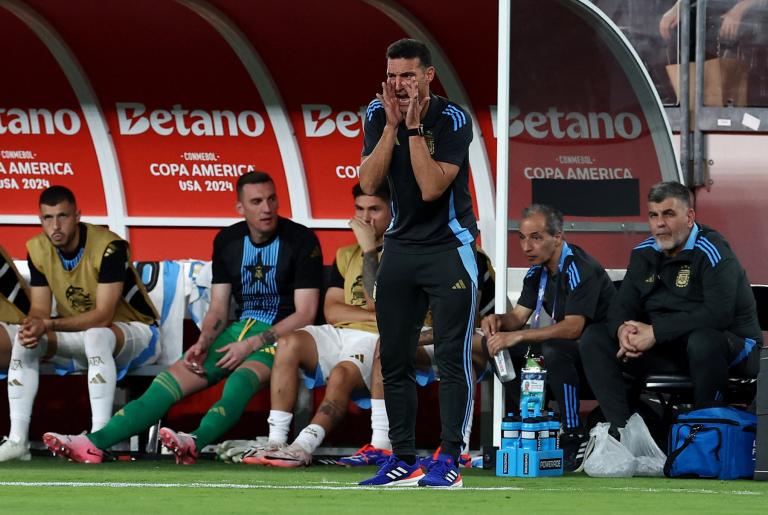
(334, 345)
(140, 348)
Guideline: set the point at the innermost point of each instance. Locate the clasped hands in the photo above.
(634, 339)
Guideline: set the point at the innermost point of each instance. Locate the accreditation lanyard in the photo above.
(565, 252)
(540, 300)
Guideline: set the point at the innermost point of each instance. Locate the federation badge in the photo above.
(429, 138)
(683, 277)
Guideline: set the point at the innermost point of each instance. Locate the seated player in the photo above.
(106, 322)
(14, 305)
(338, 354)
(685, 300)
(575, 290)
(272, 266)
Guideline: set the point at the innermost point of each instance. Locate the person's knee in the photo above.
(288, 351)
(344, 377)
(596, 340)
(549, 351)
(99, 341)
(25, 355)
(262, 371)
(706, 345)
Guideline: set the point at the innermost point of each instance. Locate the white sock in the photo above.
(279, 424)
(310, 438)
(102, 374)
(23, 379)
(380, 425)
(468, 431)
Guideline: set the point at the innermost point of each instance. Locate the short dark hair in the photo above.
(382, 191)
(661, 191)
(408, 49)
(55, 195)
(252, 178)
(552, 216)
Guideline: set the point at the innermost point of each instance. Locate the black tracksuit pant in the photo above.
(708, 355)
(407, 286)
(563, 364)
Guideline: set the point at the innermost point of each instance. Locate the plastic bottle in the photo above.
(502, 366)
(528, 434)
(510, 431)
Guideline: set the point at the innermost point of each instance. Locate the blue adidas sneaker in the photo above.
(395, 472)
(442, 473)
(366, 455)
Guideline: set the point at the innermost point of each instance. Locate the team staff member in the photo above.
(106, 322)
(571, 287)
(685, 299)
(419, 142)
(272, 266)
(379, 449)
(14, 305)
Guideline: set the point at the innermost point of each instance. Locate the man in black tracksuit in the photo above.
(686, 300)
(419, 142)
(575, 291)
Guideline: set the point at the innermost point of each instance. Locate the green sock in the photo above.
(241, 385)
(140, 414)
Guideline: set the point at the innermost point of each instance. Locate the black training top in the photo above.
(419, 226)
(264, 276)
(581, 287)
(703, 286)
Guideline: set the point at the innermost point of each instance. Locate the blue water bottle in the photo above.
(510, 431)
(542, 433)
(529, 434)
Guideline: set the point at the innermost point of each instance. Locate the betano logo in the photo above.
(133, 119)
(571, 125)
(320, 121)
(38, 121)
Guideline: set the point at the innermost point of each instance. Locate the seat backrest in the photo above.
(760, 291)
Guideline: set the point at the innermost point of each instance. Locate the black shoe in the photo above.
(574, 446)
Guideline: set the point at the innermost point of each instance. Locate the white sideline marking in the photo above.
(329, 485)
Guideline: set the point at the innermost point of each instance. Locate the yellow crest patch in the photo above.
(683, 277)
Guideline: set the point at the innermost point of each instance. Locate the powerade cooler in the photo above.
(529, 443)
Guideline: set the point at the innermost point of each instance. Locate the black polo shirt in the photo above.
(419, 226)
(580, 287)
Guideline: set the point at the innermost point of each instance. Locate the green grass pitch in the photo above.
(53, 486)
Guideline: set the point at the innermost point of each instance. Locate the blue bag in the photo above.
(712, 443)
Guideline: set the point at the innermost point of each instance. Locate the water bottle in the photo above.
(542, 433)
(528, 434)
(502, 366)
(510, 431)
